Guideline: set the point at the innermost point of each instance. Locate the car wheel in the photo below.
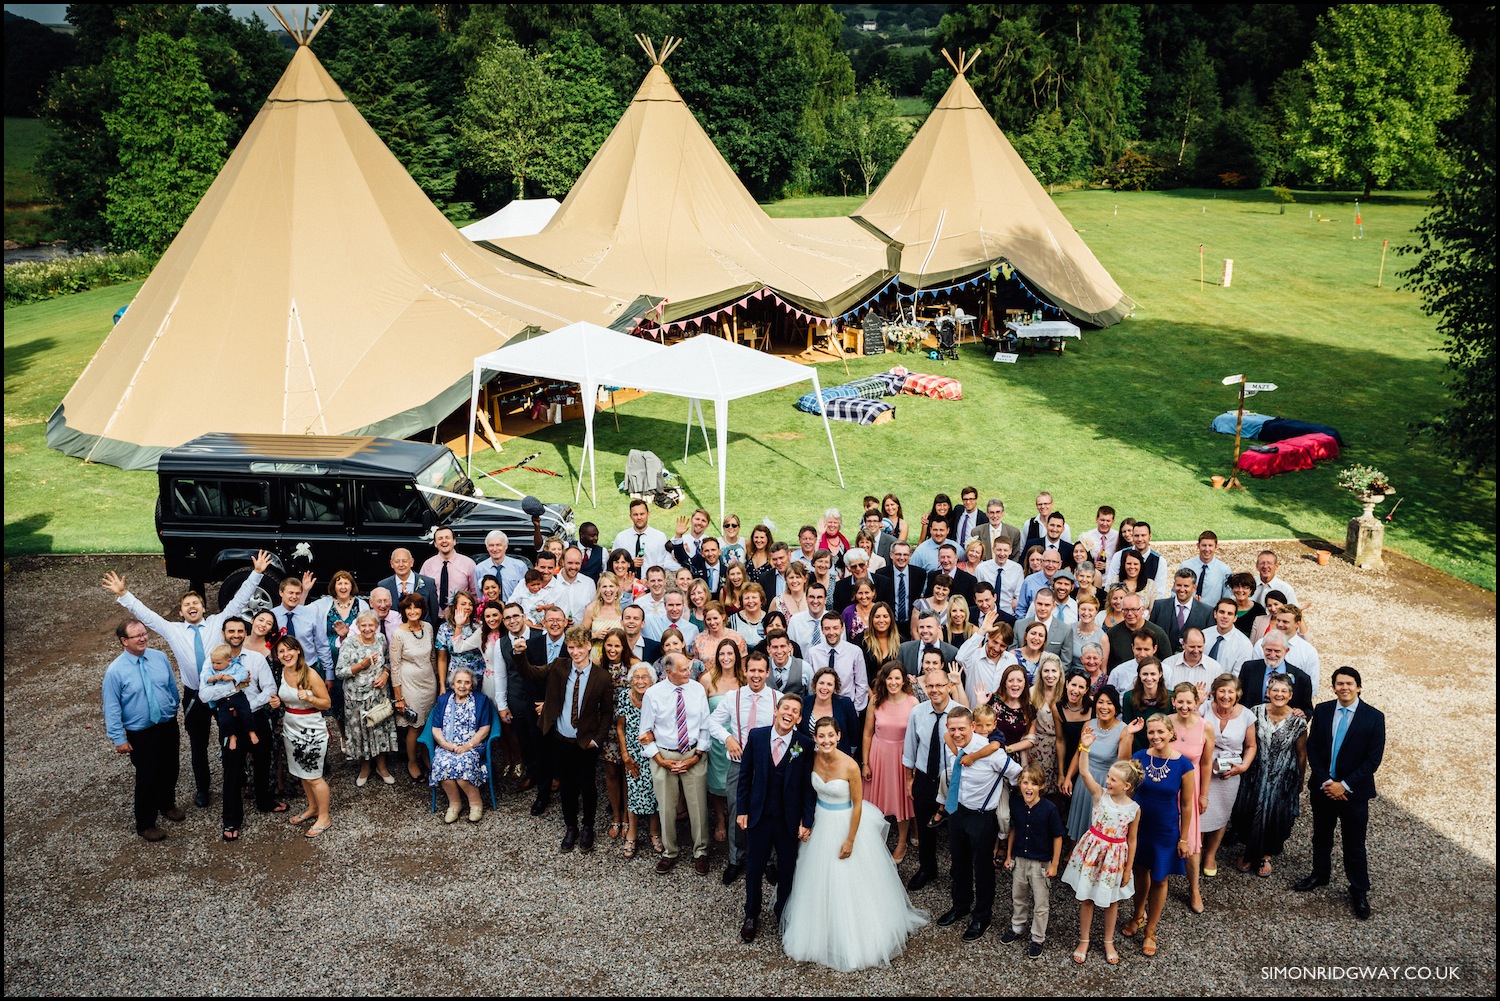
(260, 600)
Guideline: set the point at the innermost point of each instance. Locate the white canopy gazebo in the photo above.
(707, 367)
(580, 352)
(521, 217)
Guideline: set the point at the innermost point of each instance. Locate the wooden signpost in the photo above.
(1247, 390)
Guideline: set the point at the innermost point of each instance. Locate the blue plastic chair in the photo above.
(428, 741)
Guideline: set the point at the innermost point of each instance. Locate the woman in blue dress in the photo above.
(1166, 795)
(460, 728)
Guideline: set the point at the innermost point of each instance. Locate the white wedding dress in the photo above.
(850, 913)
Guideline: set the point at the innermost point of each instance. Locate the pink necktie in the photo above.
(754, 705)
(776, 751)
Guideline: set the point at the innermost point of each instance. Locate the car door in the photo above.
(317, 533)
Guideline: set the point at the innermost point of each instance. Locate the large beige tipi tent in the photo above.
(960, 199)
(660, 212)
(314, 289)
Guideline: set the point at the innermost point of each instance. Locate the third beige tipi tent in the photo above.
(961, 199)
(660, 212)
(314, 290)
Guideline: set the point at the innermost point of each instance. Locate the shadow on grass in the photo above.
(19, 357)
(1368, 396)
(25, 537)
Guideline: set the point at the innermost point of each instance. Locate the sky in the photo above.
(52, 13)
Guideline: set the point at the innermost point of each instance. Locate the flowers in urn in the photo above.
(1370, 485)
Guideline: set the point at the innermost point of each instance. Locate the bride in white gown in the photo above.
(848, 909)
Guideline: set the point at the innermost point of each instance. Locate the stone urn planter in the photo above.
(1365, 540)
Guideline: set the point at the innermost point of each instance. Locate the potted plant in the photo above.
(1368, 484)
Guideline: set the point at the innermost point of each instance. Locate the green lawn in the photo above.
(1121, 418)
(26, 219)
(813, 208)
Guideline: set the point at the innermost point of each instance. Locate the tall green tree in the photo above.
(170, 139)
(1455, 267)
(868, 133)
(1384, 78)
(587, 107)
(509, 119)
(238, 60)
(1057, 151)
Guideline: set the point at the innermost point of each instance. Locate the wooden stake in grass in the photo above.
(1384, 246)
(1200, 267)
(1239, 423)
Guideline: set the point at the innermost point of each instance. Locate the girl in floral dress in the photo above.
(1100, 866)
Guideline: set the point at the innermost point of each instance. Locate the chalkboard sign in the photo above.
(874, 337)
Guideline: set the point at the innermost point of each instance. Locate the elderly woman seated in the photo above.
(460, 728)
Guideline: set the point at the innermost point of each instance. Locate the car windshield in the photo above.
(445, 474)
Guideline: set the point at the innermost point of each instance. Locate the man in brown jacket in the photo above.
(578, 716)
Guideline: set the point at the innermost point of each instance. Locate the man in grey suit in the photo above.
(1181, 612)
(910, 652)
(995, 528)
(789, 675)
(1059, 633)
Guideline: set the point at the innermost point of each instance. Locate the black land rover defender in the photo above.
(324, 504)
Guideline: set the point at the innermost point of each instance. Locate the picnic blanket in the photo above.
(894, 380)
(1288, 455)
(858, 410)
(808, 404)
(1282, 428)
(1224, 423)
(938, 387)
(871, 387)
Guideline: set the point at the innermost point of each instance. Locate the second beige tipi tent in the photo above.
(961, 199)
(659, 211)
(314, 290)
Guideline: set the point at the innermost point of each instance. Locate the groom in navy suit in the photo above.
(776, 795)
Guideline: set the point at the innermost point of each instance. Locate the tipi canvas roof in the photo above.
(660, 212)
(961, 198)
(314, 290)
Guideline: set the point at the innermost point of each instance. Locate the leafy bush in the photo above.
(1135, 170)
(34, 281)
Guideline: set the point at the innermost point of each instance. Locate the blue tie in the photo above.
(953, 784)
(198, 651)
(903, 610)
(1213, 654)
(155, 706)
(1338, 740)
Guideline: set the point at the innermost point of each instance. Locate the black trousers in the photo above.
(575, 770)
(767, 836)
(535, 757)
(1353, 815)
(924, 801)
(196, 718)
(234, 771)
(972, 835)
(153, 753)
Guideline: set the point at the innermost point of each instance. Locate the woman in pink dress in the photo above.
(885, 734)
(1192, 744)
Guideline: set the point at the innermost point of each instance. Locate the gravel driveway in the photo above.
(391, 901)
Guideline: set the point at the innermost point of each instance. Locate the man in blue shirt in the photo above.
(140, 719)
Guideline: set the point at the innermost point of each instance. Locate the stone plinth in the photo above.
(1365, 541)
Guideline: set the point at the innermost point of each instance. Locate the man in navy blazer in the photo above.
(1345, 744)
(776, 801)
(406, 581)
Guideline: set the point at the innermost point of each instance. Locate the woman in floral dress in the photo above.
(459, 730)
(640, 795)
(363, 668)
(615, 658)
(458, 626)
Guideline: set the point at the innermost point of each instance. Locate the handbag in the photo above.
(378, 713)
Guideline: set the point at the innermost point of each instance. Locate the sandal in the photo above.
(628, 849)
(1082, 952)
(1148, 946)
(231, 834)
(658, 844)
(1132, 926)
(302, 818)
(279, 808)
(1111, 956)
(615, 830)
(1265, 869)
(315, 830)
(1243, 865)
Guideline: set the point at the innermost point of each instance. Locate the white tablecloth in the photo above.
(1046, 330)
